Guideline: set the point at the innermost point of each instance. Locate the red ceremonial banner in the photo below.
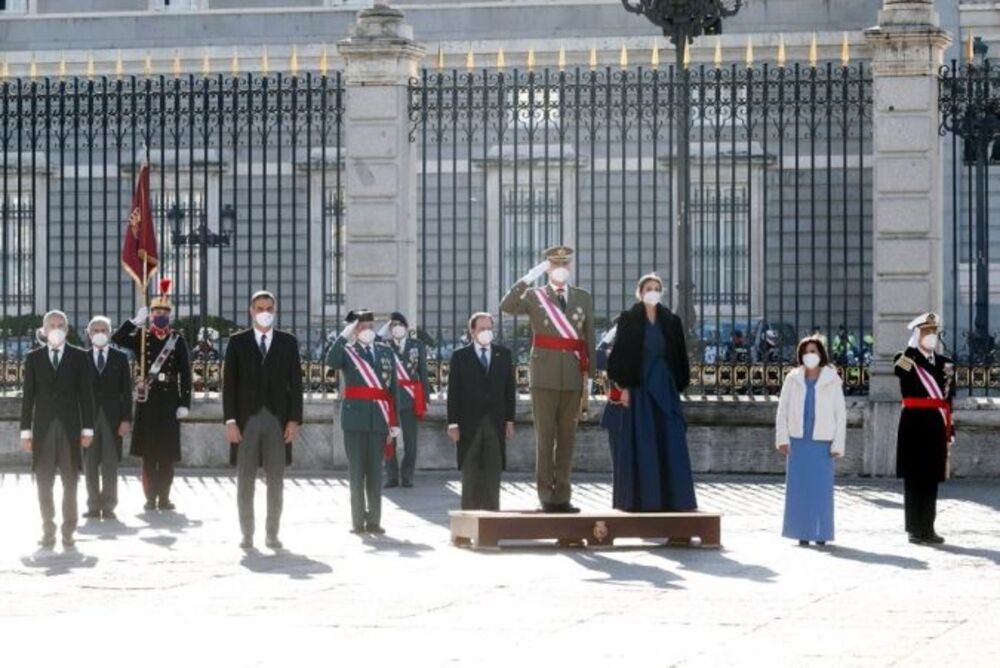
(139, 256)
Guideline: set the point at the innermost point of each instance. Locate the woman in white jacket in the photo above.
(810, 429)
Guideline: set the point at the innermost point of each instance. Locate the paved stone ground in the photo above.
(174, 589)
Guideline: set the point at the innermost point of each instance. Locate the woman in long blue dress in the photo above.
(810, 428)
(649, 364)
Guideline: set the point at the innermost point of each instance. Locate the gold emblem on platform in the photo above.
(600, 531)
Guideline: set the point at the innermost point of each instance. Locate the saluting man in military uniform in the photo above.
(369, 400)
(926, 432)
(163, 394)
(562, 325)
(414, 389)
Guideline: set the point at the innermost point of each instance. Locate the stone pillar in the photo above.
(907, 50)
(380, 163)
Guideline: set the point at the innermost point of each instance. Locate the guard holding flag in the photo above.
(369, 398)
(414, 388)
(163, 394)
(562, 326)
(926, 432)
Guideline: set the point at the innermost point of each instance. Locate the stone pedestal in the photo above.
(907, 50)
(380, 163)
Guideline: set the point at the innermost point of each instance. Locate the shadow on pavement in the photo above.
(106, 530)
(620, 572)
(58, 563)
(284, 562)
(173, 522)
(716, 563)
(976, 552)
(402, 548)
(876, 558)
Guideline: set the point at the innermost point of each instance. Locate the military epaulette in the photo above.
(904, 362)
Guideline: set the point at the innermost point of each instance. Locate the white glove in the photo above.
(609, 337)
(182, 412)
(348, 331)
(141, 316)
(383, 331)
(536, 272)
(394, 432)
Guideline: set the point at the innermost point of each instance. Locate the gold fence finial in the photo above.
(470, 59)
(845, 51)
(119, 66)
(782, 55)
(177, 64)
(686, 61)
(562, 58)
(265, 64)
(293, 61)
(501, 60)
(147, 66)
(718, 53)
(813, 51)
(593, 57)
(324, 62)
(623, 58)
(749, 55)
(531, 59)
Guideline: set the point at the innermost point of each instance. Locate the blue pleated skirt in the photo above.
(809, 491)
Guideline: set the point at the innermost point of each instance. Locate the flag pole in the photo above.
(142, 335)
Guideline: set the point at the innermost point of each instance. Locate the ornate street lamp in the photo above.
(682, 21)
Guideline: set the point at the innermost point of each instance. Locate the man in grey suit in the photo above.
(57, 419)
(262, 406)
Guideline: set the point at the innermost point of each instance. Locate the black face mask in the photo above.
(161, 321)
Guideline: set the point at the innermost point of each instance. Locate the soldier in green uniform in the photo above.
(369, 397)
(562, 326)
(414, 388)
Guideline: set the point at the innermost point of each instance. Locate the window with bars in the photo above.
(719, 241)
(14, 6)
(530, 222)
(17, 249)
(335, 272)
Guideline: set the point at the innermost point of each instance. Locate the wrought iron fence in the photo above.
(512, 161)
(247, 192)
(969, 102)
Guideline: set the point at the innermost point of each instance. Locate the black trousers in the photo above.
(157, 476)
(920, 505)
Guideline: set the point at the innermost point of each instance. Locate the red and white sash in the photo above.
(412, 387)
(559, 319)
(932, 388)
(372, 381)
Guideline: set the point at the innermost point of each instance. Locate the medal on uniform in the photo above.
(161, 377)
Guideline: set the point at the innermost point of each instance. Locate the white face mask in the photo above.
(399, 332)
(366, 336)
(264, 319)
(100, 339)
(810, 360)
(560, 275)
(56, 337)
(485, 337)
(929, 341)
(652, 297)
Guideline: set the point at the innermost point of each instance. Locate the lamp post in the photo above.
(976, 119)
(682, 21)
(204, 239)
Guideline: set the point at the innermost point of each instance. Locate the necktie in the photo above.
(483, 359)
(369, 357)
(561, 294)
(55, 359)
(100, 361)
(263, 345)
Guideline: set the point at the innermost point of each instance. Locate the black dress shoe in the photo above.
(565, 508)
(109, 515)
(821, 543)
(47, 542)
(357, 530)
(377, 530)
(916, 540)
(407, 483)
(272, 542)
(803, 543)
(150, 505)
(166, 505)
(246, 543)
(933, 539)
(92, 515)
(391, 483)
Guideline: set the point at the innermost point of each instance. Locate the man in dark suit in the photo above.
(112, 420)
(481, 399)
(57, 418)
(262, 405)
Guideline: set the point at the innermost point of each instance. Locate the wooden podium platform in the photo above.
(484, 529)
